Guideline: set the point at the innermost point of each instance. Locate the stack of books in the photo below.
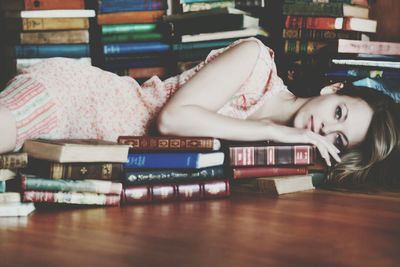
(272, 167)
(199, 30)
(85, 172)
(38, 29)
(133, 38)
(311, 33)
(10, 202)
(173, 169)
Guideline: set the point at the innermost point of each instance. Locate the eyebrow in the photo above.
(347, 112)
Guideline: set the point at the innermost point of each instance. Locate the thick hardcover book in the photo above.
(363, 3)
(368, 47)
(170, 175)
(129, 28)
(76, 150)
(10, 197)
(248, 32)
(53, 50)
(249, 4)
(59, 13)
(111, 6)
(286, 184)
(41, 4)
(130, 17)
(182, 160)
(202, 45)
(367, 63)
(300, 47)
(16, 209)
(33, 183)
(320, 35)
(330, 23)
(13, 160)
(269, 154)
(76, 171)
(44, 24)
(7, 174)
(325, 10)
(145, 72)
(71, 198)
(253, 172)
(361, 73)
(2, 186)
(195, 7)
(170, 143)
(182, 192)
(135, 48)
(55, 37)
(204, 13)
(132, 37)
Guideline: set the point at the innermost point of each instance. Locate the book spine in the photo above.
(128, 28)
(318, 23)
(45, 51)
(13, 160)
(135, 48)
(90, 186)
(192, 7)
(169, 175)
(126, 5)
(201, 45)
(71, 198)
(250, 3)
(130, 17)
(43, 24)
(367, 47)
(359, 73)
(10, 197)
(2, 186)
(141, 143)
(132, 37)
(314, 9)
(272, 155)
(240, 173)
(55, 37)
(53, 4)
(195, 1)
(296, 47)
(363, 3)
(319, 35)
(162, 160)
(180, 192)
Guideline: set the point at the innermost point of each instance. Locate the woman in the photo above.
(234, 94)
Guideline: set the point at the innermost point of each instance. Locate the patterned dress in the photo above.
(65, 98)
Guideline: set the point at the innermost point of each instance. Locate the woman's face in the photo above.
(342, 119)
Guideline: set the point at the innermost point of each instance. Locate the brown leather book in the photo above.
(13, 160)
(43, 24)
(42, 4)
(55, 37)
(253, 172)
(130, 17)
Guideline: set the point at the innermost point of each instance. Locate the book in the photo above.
(170, 143)
(111, 6)
(248, 32)
(112, 29)
(59, 13)
(132, 37)
(271, 154)
(366, 63)
(325, 10)
(10, 197)
(2, 186)
(320, 35)
(76, 171)
(368, 47)
(202, 45)
(300, 47)
(34, 183)
(176, 192)
(76, 150)
(71, 198)
(135, 48)
(285, 184)
(135, 177)
(16, 209)
(386, 86)
(7, 174)
(145, 72)
(41, 4)
(50, 50)
(254, 172)
(13, 160)
(331, 23)
(54, 37)
(361, 73)
(203, 13)
(250, 4)
(194, 7)
(44, 24)
(183, 160)
(364, 3)
(130, 17)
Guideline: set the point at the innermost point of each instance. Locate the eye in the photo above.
(339, 143)
(338, 112)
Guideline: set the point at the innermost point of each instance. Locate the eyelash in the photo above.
(338, 112)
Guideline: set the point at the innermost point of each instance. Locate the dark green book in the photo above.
(128, 28)
(325, 10)
(132, 37)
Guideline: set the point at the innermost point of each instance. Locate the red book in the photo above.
(71, 198)
(54, 4)
(368, 47)
(177, 192)
(130, 17)
(331, 23)
(270, 154)
(170, 143)
(253, 172)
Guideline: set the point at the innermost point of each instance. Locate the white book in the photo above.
(285, 184)
(16, 209)
(10, 197)
(57, 13)
(249, 32)
(368, 63)
(7, 174)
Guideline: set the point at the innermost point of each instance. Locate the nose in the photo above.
(328, 128)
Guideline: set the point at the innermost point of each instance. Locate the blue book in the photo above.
(2, 186)
(184, 160)
(135, 48)
(54, 50)
(386, 86)
(110, 6)
(361, 73)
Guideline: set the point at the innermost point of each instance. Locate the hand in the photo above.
(294, 135)
(331, 89)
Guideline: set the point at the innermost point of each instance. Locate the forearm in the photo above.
(7, 130)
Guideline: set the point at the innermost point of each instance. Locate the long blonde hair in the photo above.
(375, 162)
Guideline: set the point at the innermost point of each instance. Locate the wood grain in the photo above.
(315, 228)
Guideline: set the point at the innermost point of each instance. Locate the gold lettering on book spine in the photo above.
(56, 170)
(107, 171)
(163, 143)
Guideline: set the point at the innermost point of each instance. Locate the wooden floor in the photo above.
(317, 228)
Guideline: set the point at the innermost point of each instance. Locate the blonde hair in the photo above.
(372, 163)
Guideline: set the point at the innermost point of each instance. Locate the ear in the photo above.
(331, 89)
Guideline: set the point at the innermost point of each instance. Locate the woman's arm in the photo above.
(8, 131)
